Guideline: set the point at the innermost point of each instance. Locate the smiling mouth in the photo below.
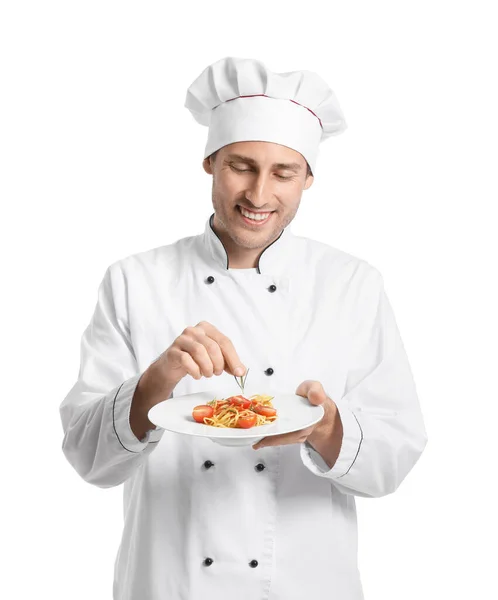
(253, 217)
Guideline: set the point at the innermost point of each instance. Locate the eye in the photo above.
(281, 177)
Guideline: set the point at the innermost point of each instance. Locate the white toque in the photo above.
(240, 99)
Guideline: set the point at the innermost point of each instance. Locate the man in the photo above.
(277, 521)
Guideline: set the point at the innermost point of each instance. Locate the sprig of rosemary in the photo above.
(242, 381)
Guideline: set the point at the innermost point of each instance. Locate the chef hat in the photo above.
(240, 100)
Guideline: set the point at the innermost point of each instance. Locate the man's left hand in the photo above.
(313, 390)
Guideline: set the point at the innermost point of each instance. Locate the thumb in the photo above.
(313, 390)
(316, 395)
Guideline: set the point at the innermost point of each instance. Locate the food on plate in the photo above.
(237, 411)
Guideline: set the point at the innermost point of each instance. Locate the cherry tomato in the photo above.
(266, 411)
(201, 412)
(235, 399)
(246, 422)
(239, 401)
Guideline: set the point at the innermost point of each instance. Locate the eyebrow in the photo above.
(291, 166)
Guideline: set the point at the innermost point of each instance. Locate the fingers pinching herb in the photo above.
(200, 351)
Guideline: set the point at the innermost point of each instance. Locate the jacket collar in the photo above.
(274, 260)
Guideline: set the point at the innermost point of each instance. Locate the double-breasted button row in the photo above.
(209, 561)
(208, 464)
(272, 288)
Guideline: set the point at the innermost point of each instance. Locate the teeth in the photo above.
(254, 217)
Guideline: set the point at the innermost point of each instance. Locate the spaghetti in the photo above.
(237, 411)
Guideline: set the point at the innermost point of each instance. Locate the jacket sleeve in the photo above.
(383, 428)
(98, 440)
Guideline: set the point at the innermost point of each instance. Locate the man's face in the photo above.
(262, 177)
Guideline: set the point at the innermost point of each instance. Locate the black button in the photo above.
(208, 464)
(260, 467)
(272, 288)
(253, 563)
(208, 562)
(210, 279)
(269, 371)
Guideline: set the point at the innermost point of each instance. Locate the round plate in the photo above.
(293, 413)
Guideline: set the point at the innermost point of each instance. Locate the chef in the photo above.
(276, 520)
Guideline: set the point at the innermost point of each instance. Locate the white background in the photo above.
(100, 159)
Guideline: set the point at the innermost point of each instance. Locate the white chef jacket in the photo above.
(204, 521)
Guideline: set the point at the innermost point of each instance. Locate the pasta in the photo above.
(237, 411)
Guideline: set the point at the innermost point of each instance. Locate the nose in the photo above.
(259, 192)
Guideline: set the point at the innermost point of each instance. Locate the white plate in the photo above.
(293, 413)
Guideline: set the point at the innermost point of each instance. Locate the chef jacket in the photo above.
(204, 521)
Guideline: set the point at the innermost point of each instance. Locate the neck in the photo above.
(238, 257)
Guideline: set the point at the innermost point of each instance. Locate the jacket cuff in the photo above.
(350, 448)
(121, 405)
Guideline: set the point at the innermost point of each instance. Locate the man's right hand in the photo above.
(199, 351)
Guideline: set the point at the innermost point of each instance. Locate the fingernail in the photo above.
(239, 371)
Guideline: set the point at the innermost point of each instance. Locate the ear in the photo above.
(206, 165)
(308, 182)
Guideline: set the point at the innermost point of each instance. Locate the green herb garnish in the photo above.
(242, 381)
